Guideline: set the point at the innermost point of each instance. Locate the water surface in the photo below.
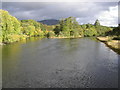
(64, 63)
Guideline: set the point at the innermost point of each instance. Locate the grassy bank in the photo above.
(104, 39)
(110, 42)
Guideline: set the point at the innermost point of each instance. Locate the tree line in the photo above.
(13, 30)
(70, 27)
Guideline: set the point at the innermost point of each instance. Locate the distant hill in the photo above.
(49, 21)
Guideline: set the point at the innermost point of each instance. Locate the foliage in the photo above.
(12, 29)
(32, 28)
(95, 30)
(50, 34)
(10, 26)
(97, 23)
(68, 27)
(114, 32)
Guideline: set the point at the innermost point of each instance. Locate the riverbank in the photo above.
(66, 37)
(2, 44)
(40, 37)
(104, 39)
(113, 44)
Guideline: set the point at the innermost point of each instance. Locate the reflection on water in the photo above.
(63, 63)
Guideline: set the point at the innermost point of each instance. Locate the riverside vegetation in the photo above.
(112, 39)
(13, 30)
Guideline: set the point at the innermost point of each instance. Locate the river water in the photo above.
(59, 63)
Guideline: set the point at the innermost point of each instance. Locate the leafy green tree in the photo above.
(10, 27)
(31, 30)
(69, 27)
(57, 30)
(50, 34)
(97, 23)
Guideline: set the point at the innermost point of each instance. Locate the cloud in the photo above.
(84, 12)
(109, 17)
(119, 12)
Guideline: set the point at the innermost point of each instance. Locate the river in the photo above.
(59, 63)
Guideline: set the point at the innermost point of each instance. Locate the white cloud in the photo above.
(85, 12)
(109, 17)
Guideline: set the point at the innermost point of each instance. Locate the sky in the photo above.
(85, 12)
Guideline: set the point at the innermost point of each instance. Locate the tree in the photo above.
(69, 27)
(57, 30)
(97, 23)
(50, 34)
(10, 27)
